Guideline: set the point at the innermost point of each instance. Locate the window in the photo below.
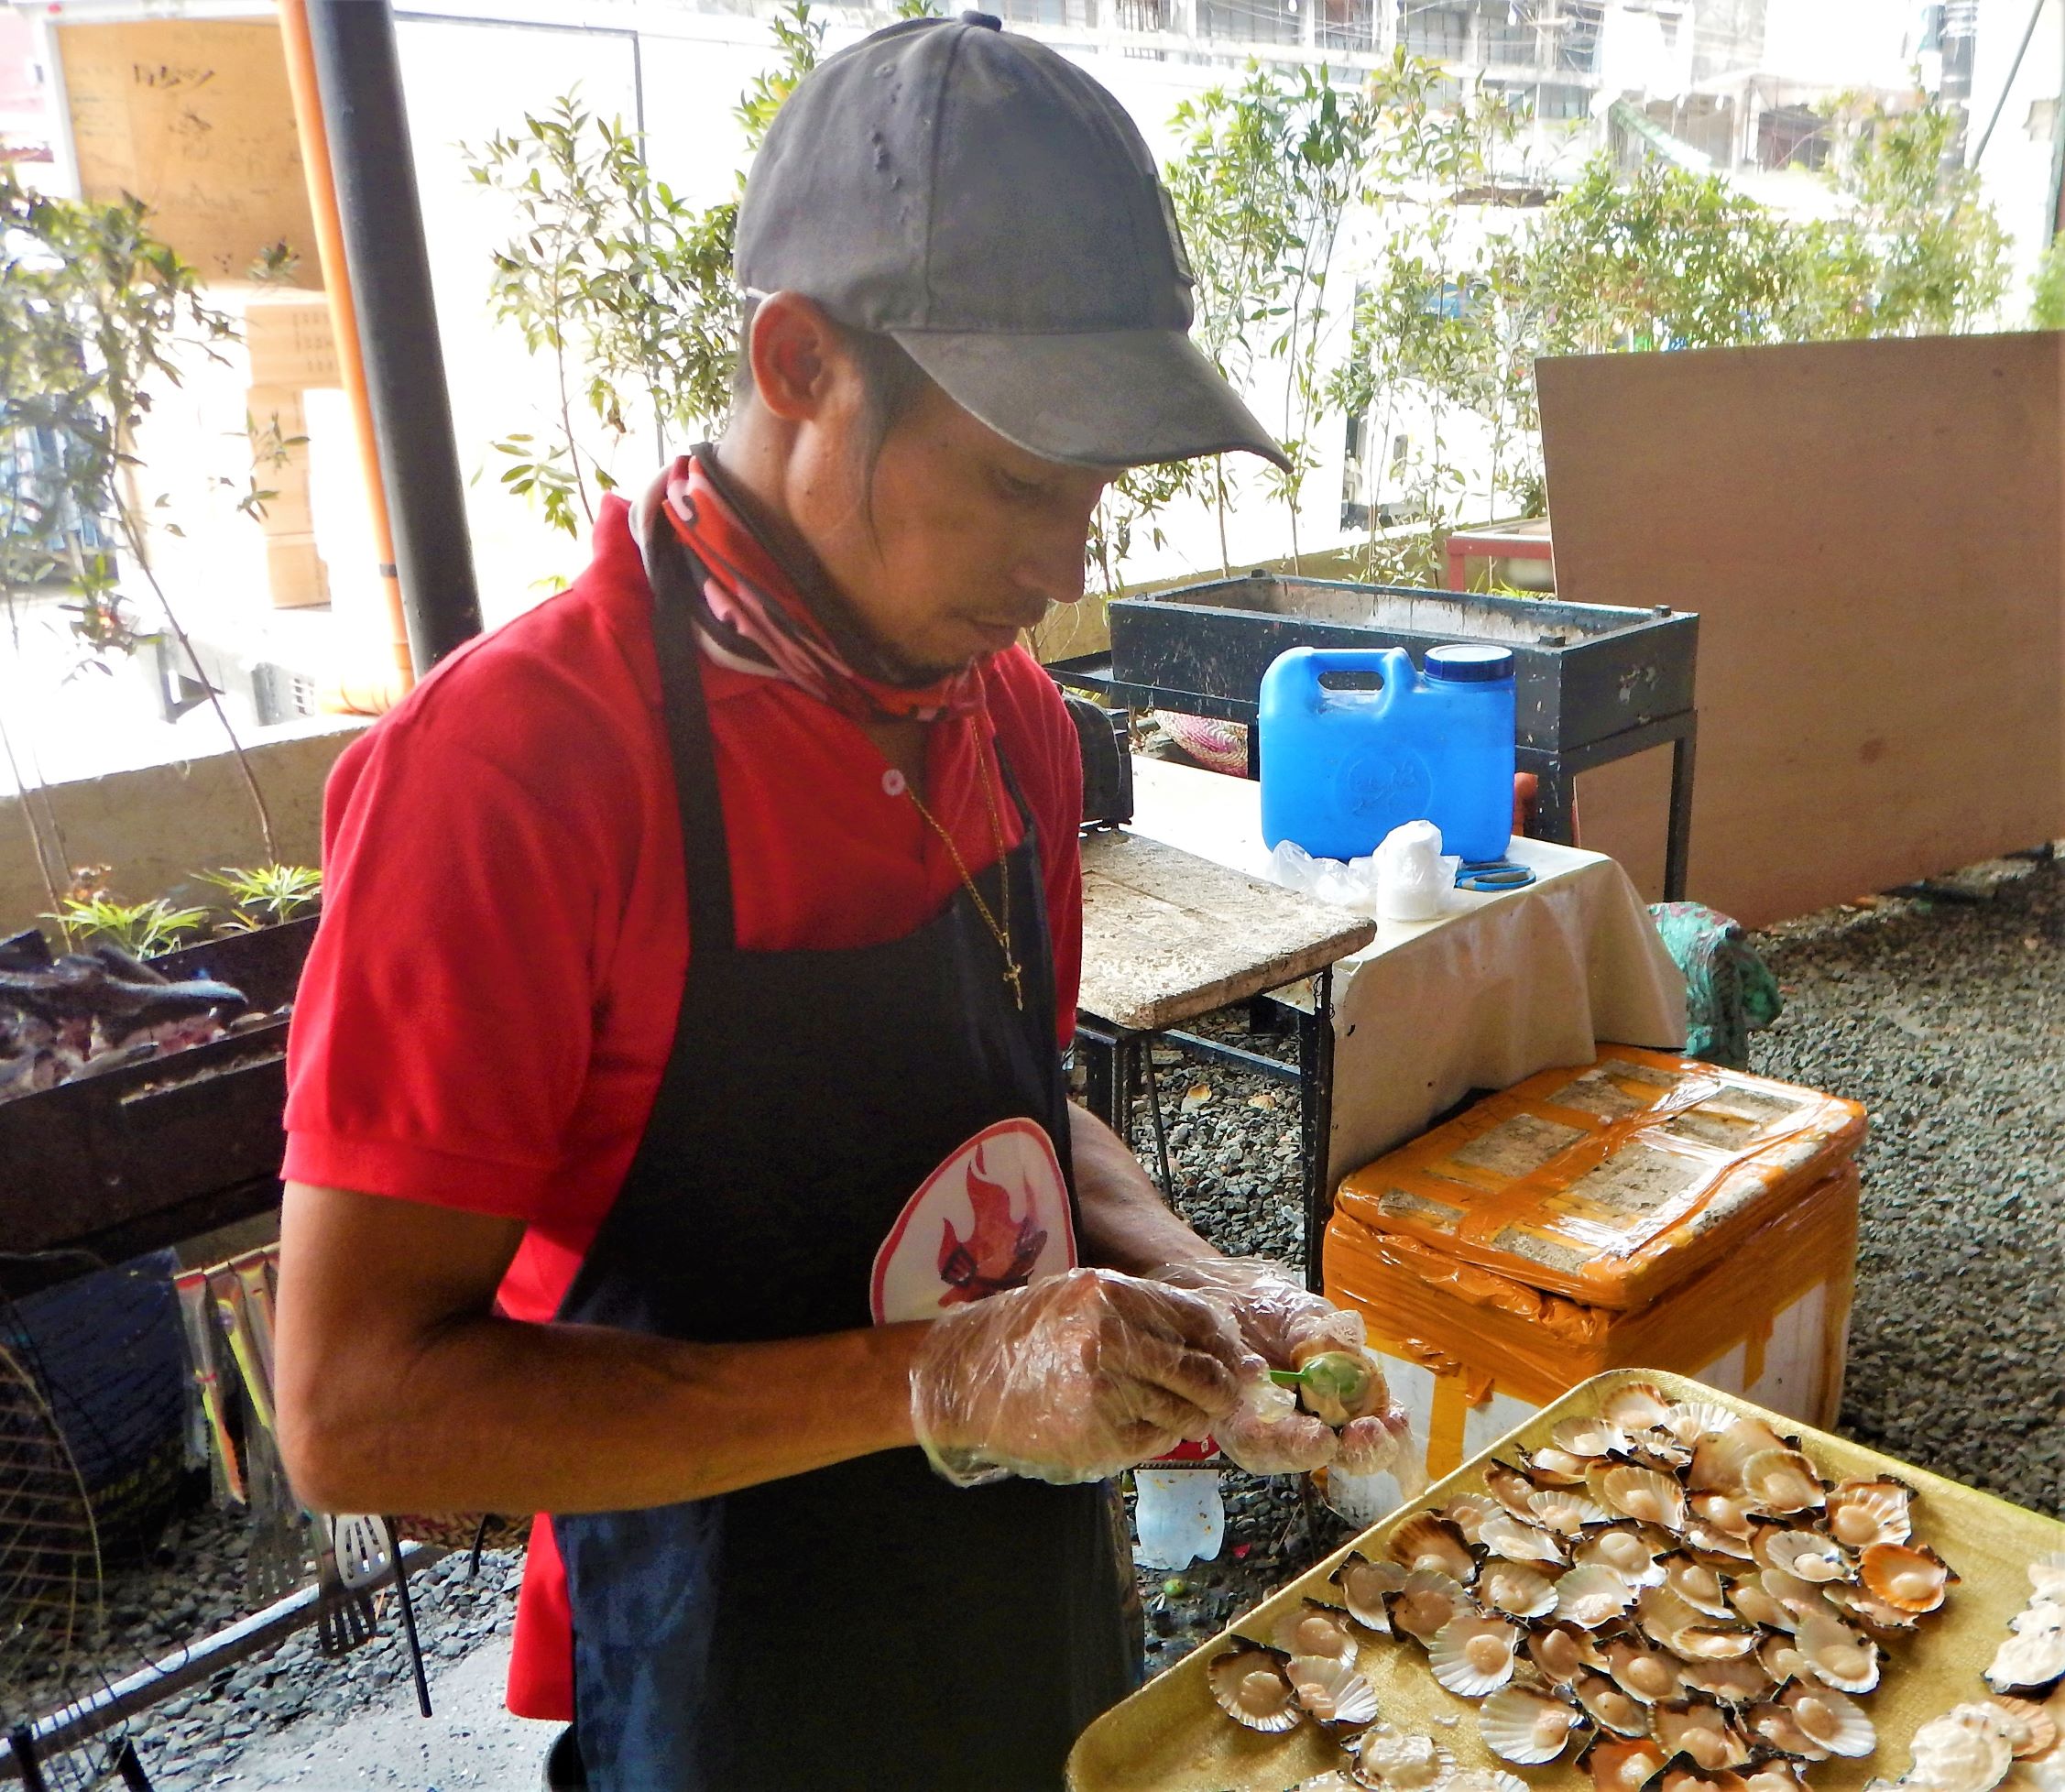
(1435, 28)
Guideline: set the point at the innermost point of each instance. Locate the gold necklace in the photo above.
(1013, 975)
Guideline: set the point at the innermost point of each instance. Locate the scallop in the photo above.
(1836, 1654)
(1511, 1488)
(1398, 1762)
(1773, 1726)
(1252, 1688)
(1561, 1652)
(1622, 1548)
(1619, 1765)
(1636, 1406)
(1426, 1602)
(1646, 1674)
(1508, 1537)
(1551, 1467)
(1862, 1512)
(1425, 1544)
(1968, 1749)
(1782, 1658)
(1701, 1732)
(1362, 1585)
(1805, 1555)
(2033, 1656)
(1740, 1681)
(1751, 1603)
(1909, 1577)
(1721, 1459)
(1611, 1706)
(1727, 1513)
(1872, 1612)
(1588, 1438)
(2037, 1728)
(1667, 1618)
(1694, 1421)
(1590, 1595)
(1472, 1655)
(1657, 1448)
(1309, 1628)
(1783, 1480)
(1567, 1511)
(1516, 1588)
(1773, 1776)
(1799, 1597)
(1467, 1512)
(1716, 1544)
(1829, 1720)
(1643, 1494)
(1684, 1779)
(1332, 1691)
(1527, 1725)
(1698, 1585)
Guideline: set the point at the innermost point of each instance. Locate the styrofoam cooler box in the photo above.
(1646, 1210)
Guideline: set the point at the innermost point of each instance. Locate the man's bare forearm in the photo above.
(421, 1401)
(1126, 1224)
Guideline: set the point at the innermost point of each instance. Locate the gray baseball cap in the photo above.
(979, 199)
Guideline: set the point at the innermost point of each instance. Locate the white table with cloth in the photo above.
(1499, 986)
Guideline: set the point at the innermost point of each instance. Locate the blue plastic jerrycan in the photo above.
(1341, 768)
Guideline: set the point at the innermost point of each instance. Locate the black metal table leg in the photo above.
(1316, 1112)
(1555, 814)
(1677, 842)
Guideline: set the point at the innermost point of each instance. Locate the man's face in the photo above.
(957, 542)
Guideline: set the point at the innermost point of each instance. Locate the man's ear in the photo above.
(793, 350)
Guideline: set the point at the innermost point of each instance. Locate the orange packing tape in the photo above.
(1423, 1305)
(1607, 1182)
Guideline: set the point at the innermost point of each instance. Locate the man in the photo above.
(678, 1132)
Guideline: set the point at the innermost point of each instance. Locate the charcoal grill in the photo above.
(103, 1167)
(1593, 684)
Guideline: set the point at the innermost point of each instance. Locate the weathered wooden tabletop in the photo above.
(1168, 936)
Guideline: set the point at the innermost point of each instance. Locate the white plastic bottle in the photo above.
(1178, 1515)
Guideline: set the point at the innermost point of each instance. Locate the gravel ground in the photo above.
(1947, 1019)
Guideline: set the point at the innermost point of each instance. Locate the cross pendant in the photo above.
(1016, 978)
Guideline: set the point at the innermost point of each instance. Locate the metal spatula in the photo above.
(367, 1547)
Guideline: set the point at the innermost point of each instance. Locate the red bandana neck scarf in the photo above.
(751, 616)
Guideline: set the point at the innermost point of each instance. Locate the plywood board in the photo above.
(195, 118)
(1871, 534)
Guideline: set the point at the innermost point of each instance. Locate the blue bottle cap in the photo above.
(1470, 662)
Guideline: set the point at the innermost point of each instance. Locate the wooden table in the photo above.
(1169, 936)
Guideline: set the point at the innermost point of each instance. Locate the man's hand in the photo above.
(1073, 1378)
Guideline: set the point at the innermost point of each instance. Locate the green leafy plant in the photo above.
(262, 895)
(141, 929)
(2047, 292)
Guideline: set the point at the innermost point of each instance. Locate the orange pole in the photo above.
(344, 324)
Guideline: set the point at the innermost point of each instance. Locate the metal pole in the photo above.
(360, 75)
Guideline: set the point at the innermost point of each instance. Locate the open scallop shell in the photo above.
(1804, 1555)
(1754, 1605)
(1657, 1447)
(1362, 1585)
(1642, 1672)
(1309, 1628)
(1611, 1706)
(1427, 1601)
(1588, 1438)
(1799, 1597)
(1550, 1467)
(1625, 1549)
(1561, 1652)
(1698, 1585)
(1773, 1726)
(1511, 1488)
(1838, 1655)
(2037, 1728)
(1646, 1495)
(1831, 1720)
(1473, 1656)
(2033, 1656)
(1862, 1512)
(1728, 1513)
(1395, 1760)
(1591, 1596)
(1667, 1618)
(1636, 1406)
(1783, 1480)
(1519, 1541)
(1527, 1725)
(1621, 1765)
(1715, 1544)
(1782, 1658)
(1425, 1544)
(1567, 1511)
(1689, 1779)
(1702, 1733)
(1882, 1620)
(1968, 1748)
(1694, 1421)
(1774, 1776)
(1909, 1577)
(1331, 1690)
(1518, 1589)
(1741, 1681)
(1721, 1459)
(1252, 1688)
(1467, 1512)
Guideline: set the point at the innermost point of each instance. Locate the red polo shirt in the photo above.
(492, 993)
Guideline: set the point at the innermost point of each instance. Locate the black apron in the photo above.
(866, 1625)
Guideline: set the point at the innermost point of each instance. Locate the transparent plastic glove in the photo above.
(1073, 1379)
(1282, 1320)
(1266, 1434)
(1380, 1442)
